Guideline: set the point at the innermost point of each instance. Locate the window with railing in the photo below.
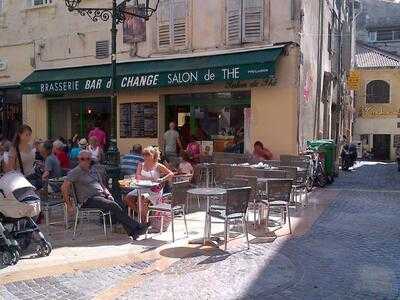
(244, 21)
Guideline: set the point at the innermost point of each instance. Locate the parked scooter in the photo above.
(349, 156)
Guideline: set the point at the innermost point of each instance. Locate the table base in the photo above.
(213, 241)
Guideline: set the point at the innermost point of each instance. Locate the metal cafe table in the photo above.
(142, 186)
(206, 193)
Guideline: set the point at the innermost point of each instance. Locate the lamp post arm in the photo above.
(95, 14)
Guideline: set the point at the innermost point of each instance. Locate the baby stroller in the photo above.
(19, 204)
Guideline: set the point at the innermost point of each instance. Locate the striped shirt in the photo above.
(129, 163)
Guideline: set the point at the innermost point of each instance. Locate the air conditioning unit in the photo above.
(3, 64)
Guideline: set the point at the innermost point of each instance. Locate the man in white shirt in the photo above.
(171, 141)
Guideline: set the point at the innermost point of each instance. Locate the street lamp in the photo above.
(143, 9)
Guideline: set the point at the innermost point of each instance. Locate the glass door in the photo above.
(70, 117)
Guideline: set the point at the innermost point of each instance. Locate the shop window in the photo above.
(244, 21)
(221, 120)
(378, 91)
(102, 49)
(172, 20)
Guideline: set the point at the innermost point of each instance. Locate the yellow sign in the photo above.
(378, 111)
(353, 81)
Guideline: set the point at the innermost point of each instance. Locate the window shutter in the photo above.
(180, 12)
(253, 20)
(164, 25)
(233, 22)
(102, 49)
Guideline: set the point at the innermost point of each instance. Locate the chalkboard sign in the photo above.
(138, 120)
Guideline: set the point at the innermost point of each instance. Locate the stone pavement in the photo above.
(350, 251)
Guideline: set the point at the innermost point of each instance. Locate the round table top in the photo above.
(146, 184)
(207, 191)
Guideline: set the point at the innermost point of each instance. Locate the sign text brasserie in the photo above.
(164, 79)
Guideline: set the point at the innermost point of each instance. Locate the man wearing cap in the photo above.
(59, 152)
(91, 193)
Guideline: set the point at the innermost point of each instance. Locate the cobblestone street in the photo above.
(350, 252)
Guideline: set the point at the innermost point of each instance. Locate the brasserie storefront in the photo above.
(211, 97)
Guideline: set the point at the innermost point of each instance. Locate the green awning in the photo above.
(155, 73)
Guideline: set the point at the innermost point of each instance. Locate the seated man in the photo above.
(130, 161)
(92, 194)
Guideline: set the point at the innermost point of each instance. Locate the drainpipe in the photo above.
(340, 122)
(319, 68)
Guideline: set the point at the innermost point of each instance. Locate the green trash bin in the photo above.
(328, 148)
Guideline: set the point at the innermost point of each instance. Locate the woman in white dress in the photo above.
(95, 149)
(154, 171)
(22, 154)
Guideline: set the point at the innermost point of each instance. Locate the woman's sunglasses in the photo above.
(84, 159)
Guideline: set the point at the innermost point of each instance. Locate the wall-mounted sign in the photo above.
(134, 29)
(372, 111)
(3, 64)
(156, 80)
(353, 80)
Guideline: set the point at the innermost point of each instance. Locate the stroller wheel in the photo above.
(44, 249)
(10, 257)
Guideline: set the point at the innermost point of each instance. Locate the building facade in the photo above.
(224, 67)
(378, 102)
(379, 26)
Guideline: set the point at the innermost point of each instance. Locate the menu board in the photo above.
(138, 120)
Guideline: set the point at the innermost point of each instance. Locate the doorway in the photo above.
(70, 117)
(381, 145)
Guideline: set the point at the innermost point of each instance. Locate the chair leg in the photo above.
(187, 203)
(162, 224)
(172, 226)
(111, 225)
(104, 225)
(184, 220)
(288, 216)
(46, 216)
(246, 233)
(147, 221)
(76, 221)
(267, 219)
(226, 234)
(66, 216)
(198, 202)
(307, 197)
(254, 214)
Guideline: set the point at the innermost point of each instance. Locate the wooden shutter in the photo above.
(164, 24)
(233, 22)
(253, 20)
(180, 16)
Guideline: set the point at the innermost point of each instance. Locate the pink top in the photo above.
(100, 136)
(193, 149)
